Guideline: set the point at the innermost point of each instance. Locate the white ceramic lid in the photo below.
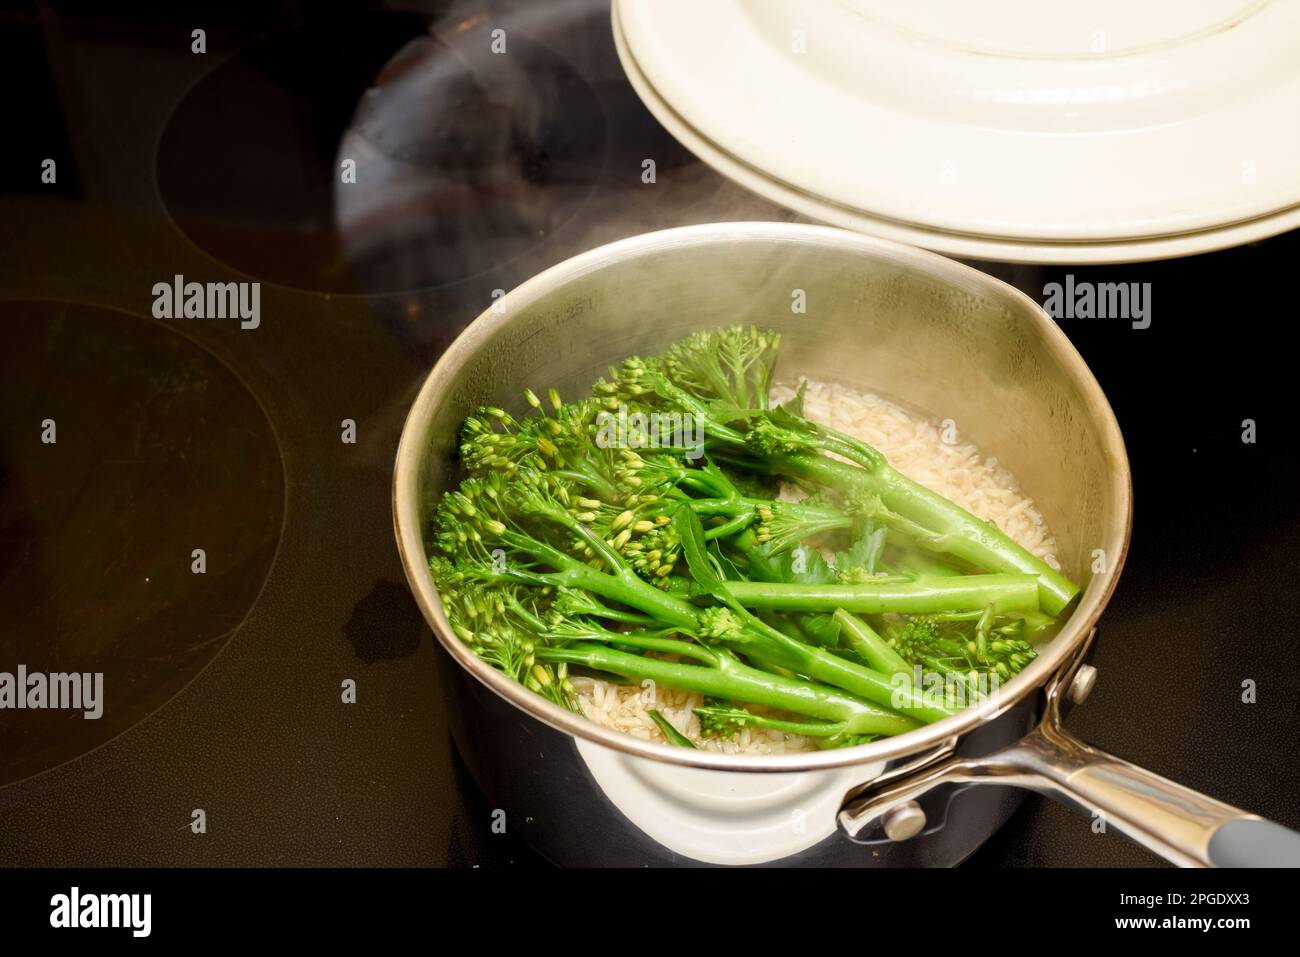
(1141, 129)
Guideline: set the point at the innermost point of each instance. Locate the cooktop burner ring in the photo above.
(143, 504)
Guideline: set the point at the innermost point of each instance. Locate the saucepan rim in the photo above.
(414, 445)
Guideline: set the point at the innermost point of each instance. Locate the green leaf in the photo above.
(728, 567)
(822, 630)
(699, 562)
(670, 733)
(858, 562)
(802, 564)
(794, 406)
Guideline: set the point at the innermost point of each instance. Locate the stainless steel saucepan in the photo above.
(938, 337)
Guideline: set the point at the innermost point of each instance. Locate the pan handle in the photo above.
(1177, 823)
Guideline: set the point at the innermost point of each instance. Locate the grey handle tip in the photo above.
(1250, 842)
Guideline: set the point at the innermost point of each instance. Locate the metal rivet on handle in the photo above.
(1083, 683)
(905, 821)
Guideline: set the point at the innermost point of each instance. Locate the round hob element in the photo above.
(246, 163)
(158, 450)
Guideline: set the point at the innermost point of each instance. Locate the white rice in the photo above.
(913, 445)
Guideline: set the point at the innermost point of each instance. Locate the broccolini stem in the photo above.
(965, 536)
(590, 479)
(615, 614)
(730, 527)
(913, 597)
(719, 506)
(875, 650)
(742, 718)
(665, 645)
(629, 590)
(622, 585)
(734, 681)
(831, 669)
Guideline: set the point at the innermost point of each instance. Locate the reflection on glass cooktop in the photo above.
(245, 165)
(457, 159)
(124, 448)
(466, 157)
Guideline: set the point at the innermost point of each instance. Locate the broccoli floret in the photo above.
(953, 647)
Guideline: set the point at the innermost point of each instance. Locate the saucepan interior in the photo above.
(936, 336)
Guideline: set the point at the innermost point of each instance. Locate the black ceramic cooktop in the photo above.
(202, 531)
